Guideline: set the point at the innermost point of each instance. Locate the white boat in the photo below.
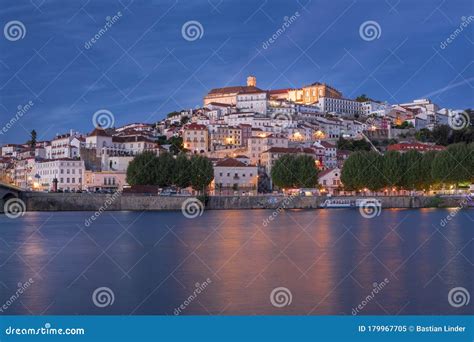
(337, 203)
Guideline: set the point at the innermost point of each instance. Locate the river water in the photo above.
(318, 262)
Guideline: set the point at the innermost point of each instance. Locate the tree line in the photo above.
(166, 170)
(410, 170)
(295, 171)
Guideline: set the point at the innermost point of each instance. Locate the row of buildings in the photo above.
(242, 129)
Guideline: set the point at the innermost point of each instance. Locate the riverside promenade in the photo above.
(37, 201)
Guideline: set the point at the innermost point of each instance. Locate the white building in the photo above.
(339, 106)
(115, 163)
(252, 100)
(330, 128)
(231, 175)
(375, 107)
(421, 103)
(65, 146)
(68, 172)
(104, 143)
(330, 180)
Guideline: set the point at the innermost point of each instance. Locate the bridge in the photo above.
(8, 192)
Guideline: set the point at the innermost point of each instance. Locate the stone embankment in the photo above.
(137, 202)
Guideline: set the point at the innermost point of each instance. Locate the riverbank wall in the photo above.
(137, 202)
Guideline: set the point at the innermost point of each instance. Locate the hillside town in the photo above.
(243, 130)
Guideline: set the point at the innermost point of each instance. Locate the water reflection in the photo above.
(329, 260)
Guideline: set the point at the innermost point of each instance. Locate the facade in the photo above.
(12, 150)
(340, 106)
(375, 107)
(330, 180)
(228, 95)
(253, 101)
(233, 176)
(23, 172)
(105, 180)
(312, 93)
(68, 172)
(104, 143)
(65, 146)
(196, 138)
(426, 104)
(262, 142)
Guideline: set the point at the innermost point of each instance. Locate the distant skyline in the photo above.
(142, 67)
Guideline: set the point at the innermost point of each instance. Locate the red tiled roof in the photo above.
(219, 104)
(290, 150)
(235, 89)
(325, 172)
(326, 144)
(99, 132)
(231, 162)
(195, 126)
(279, 91)
(131, 139)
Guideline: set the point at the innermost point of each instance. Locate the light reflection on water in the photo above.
(328, 259)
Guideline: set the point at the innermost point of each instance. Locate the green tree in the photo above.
(181, 174)
(282, 172)
(426, 179)
(460, 154)
(424, 135)
(440, 167)
(411, 170)
(373, 176)
(391, 168)
(293, 171)
(33, 137)
(353, 145)
(176, 145)
(362, 98)
(441, 135)
(352, 172)
(201, 171)
(307, 173)
(142, 169)
(165, 169)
